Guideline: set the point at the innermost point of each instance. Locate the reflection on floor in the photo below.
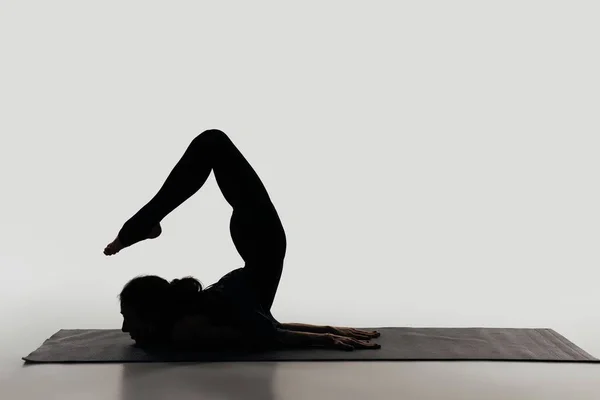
(305, 380)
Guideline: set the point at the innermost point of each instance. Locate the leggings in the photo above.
(255, 227)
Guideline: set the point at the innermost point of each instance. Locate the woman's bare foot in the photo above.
(115, 246)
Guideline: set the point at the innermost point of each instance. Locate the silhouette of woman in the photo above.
(236, 310)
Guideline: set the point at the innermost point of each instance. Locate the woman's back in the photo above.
(233, 301)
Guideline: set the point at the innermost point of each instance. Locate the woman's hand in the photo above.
(354, 333)
(349, 343)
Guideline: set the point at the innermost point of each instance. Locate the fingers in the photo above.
(355, 344)
(357, 333)
(340, 344)
(349, 344)
(366, 334)
(363, 344)
(361, 335)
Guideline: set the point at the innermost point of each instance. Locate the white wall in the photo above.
(434, 163)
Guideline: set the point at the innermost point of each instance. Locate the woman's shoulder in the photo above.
(238, 273)
(235, 289)
(235, 278)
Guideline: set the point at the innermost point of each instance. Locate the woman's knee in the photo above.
(208, 143)
(215, 139)
(211, 135)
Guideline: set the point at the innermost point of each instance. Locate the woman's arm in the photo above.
(299, 339)
(293, 338)
(296, 327)
(197, 332)
(339, 331)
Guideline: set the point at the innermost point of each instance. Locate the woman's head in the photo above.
(150, 304)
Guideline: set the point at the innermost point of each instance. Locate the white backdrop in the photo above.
(434, 163)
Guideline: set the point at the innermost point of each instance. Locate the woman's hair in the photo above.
(153, 296)
(184, 293)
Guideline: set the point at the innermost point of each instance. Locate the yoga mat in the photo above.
(397, 344)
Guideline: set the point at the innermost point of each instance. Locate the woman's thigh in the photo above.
(260, 239)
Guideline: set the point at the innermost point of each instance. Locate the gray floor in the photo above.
(275, 381)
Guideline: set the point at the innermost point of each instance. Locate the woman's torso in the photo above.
(232, 301)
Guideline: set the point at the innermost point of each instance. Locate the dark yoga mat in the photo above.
(397, 344)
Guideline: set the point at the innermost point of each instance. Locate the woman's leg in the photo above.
(260, 239)
(255, 226)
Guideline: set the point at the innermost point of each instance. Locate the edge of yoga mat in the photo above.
(556, 347)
